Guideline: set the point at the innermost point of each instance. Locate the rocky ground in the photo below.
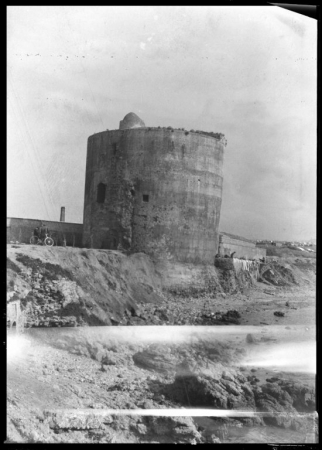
(286, 286)
(61, 381)
(66, 370)
(257, 307)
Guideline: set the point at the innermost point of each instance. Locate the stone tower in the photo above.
(154, 190)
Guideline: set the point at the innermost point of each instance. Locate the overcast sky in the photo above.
(247, 72)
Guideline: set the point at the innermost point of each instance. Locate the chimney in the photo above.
(62, 214)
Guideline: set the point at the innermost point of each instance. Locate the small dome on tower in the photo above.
(131, 120)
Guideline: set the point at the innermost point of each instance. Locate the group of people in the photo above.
(41, 231)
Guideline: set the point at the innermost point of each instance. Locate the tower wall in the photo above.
(162, 191)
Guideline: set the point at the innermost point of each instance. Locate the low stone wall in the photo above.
(242, 248)
(20, 230)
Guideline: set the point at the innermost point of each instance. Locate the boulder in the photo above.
(75, 419)
(250, 339)
(181, 430)
(157, 357)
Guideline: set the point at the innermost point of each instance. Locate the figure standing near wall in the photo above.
(43, 230)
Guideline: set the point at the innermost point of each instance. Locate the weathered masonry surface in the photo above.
(243, 248)
(156, 191)
(20, 230)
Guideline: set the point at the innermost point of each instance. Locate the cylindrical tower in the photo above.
(154, 190)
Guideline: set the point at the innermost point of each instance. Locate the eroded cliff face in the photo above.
(73, 287)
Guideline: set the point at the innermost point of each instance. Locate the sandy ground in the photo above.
(258, 307)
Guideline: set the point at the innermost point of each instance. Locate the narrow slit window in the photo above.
(101, 190)
(114, 149)
(145, 198)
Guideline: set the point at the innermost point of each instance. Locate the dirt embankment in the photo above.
(65, 286)
(76, 287)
